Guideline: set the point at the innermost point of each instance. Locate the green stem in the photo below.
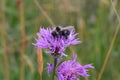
(55, 63)
(41, 77)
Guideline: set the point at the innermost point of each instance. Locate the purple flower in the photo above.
(69, 70)
(56, 39)
(49, 68)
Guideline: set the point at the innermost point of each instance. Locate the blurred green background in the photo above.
(94, 20)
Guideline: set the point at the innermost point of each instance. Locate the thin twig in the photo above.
(3, 40)
(111, 45)
(44, 13)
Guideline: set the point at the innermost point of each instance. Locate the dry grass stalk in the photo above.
(3, 39)
(82, 29)
(65, 4)
(111, 44)
(44, 13)
(106, 2)
(23, 35)
(29, 62)
(40, 61)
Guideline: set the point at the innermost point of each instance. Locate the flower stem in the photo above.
(55, 63)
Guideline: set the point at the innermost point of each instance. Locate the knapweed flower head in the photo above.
(56, 39)
(69, 70)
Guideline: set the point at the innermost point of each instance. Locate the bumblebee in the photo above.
(59, 32)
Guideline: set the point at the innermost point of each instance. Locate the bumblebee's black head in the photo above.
(58, 29)
(55, 33)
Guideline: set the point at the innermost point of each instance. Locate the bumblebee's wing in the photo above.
(69, 28)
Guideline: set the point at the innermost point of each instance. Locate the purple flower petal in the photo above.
(49, 68)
